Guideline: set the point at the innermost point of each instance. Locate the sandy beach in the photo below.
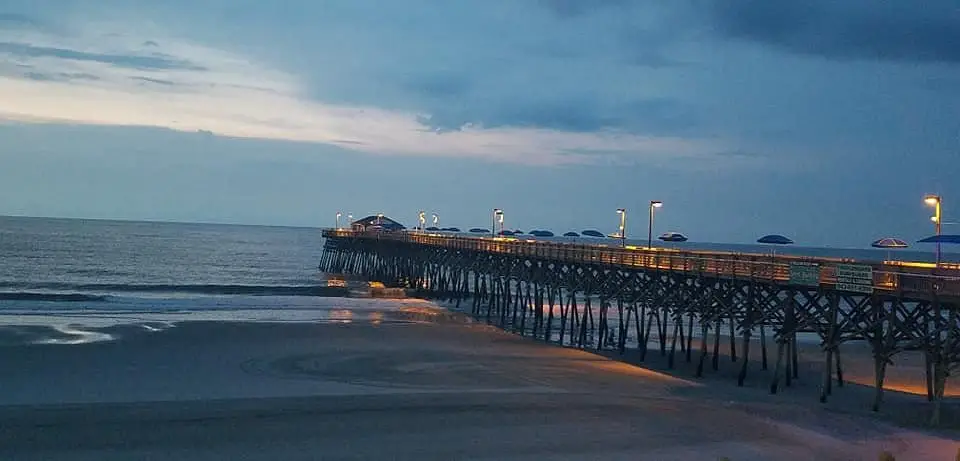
(428, 387)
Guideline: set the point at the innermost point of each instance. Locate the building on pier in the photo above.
(376, 222)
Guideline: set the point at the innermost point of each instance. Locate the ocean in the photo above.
(63, 279)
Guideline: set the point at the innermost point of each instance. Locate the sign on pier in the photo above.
(805, 273)
(855, 278)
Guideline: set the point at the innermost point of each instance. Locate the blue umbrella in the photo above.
(673, 237)
(941, 239)
(506, 233)
(479, 230)
(592, 233)
(774, 239)
(571, 234)
(888, 243)
(541, 233)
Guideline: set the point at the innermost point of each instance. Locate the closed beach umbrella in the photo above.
(592, 233)
(889, 243)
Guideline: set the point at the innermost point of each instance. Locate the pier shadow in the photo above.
(904, 402)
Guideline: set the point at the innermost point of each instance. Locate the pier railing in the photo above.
(883, 277)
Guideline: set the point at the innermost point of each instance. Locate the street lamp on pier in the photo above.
(338, 220)
(436, 220)
(936, 202)
(653, 204)
(497, 216)
(623, 226)
(422, 219)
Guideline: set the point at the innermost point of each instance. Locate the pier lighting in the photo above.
(623, 226)
(422, 219)
(338, 220)
(436, 220)
(935, 201)
(497, 216)
(653, 204)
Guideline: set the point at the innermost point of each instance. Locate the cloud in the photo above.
(158, 81)
(927, 31)
(25, 50)
(193, 86)
(575, 8)
(17, 20)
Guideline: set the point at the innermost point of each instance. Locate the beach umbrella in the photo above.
(541, 233)
(774, 239)
(592, 233)
(571, 234)
(673, 237)
(938, 239)
(432, 229)
(506, 232)
(941, 239)
(889, 243)
(479, 230)
(517, 232)
(452, 229)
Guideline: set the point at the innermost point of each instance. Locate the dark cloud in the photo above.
(156, 81)
(740, 154)
(912, 31)
(17, 20)
(155, 62)
(582, 114)
(77, 76)
(576, 8)
(59, 76)
(439, 85)
(150, 43)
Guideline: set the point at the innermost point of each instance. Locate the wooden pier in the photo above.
(612, 297)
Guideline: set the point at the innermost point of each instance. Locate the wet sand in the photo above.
(435, 388)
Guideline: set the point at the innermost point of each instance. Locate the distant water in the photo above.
(70, 272)
(78, 260)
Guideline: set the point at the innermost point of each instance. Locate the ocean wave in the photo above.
(53, 297)
(209, 289)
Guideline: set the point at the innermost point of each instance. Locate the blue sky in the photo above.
(826, 121)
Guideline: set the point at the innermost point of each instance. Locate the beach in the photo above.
(421, 383)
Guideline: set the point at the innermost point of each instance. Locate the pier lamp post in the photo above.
(338, 220)
(422, 219)
(653, 204)
(436, 220)
(935, 201)
(623, 226)
(497, 215)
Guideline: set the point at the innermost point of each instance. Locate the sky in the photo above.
(825, 121)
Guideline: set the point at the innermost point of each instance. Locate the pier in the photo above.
(611, 298)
